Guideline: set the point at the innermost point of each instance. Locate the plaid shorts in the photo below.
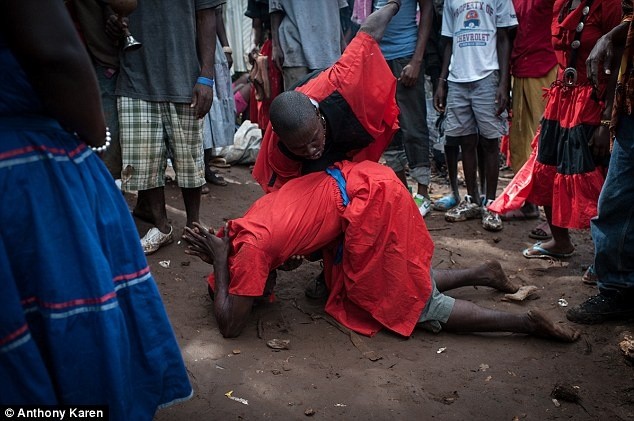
(152, 132)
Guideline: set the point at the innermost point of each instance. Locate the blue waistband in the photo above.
(32, 122)
(341, 183)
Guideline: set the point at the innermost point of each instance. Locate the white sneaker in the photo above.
(154, 239)
(491, 221)
(423, 203)
(465, 210)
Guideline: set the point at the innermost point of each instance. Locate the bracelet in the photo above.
(205, 81)
(105, 146)
(227, 50)
(443, 79)
(606, 123)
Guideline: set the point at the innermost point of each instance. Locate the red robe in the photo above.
(383, 279)
(363, 80)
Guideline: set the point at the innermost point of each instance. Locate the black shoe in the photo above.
(316, 289)
(214, 178)
(607, 305)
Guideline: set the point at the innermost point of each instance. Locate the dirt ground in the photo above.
(329, 374)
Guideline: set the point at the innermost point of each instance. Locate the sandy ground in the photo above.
(329, 374)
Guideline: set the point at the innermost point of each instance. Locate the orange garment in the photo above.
(383, 279)
(366, 84)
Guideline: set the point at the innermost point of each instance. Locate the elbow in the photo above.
(228, 331)
(230, 327)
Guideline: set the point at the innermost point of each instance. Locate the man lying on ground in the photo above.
(377, 258)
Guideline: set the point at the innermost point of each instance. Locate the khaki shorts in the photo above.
(150, 133)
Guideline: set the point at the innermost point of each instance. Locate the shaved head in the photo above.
(290, 112)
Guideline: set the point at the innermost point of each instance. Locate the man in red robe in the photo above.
(377, 258)
(347, 111)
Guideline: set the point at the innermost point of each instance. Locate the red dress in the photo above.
(357, 96)
(383, 278)
(561, 171)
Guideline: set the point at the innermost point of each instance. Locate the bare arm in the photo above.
(57, 65)
(504, 57)
(440, 96)
(222, 35)
(231, 311)
(411, 71)
(203, 95)
(277, 53)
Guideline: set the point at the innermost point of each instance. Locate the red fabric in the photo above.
(259, 110)
(573, 106)
(533, 55)
(384, 278)
(604, 15)
(573, 197)
(365, 81)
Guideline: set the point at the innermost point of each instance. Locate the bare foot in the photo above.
(551, 247)
(492, 272)
(543, 327)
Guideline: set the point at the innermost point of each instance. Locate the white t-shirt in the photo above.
(473, 27)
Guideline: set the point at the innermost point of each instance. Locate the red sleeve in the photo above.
(272, 168)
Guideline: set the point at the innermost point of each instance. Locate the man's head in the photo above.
(299, 125)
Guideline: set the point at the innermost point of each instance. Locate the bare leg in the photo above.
(488, 274)
(191, 197)
(468, 317)
(142, 209)
(376, 23)
(423, 190)
(469, 146)
(155, 200)
(401, 176)
(451, 157)
(561, 242)
(482, 177)
(490, 153)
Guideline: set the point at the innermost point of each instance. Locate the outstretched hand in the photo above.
(206, 245)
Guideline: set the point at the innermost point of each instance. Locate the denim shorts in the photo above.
(437, 310)
(471, 109)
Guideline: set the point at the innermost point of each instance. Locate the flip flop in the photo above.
(219, 162)
(519, 215)
(543, 253)
(590, 276)
(539, 233)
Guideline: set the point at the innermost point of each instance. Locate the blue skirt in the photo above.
(81, 319)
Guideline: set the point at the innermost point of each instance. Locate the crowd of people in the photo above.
(336, 86)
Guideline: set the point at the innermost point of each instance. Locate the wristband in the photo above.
(205, 81)
(443, 79)
(605, 123)
(227, 50)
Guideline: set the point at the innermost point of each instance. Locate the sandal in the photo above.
(219, 162)
(590, 276)
(536, 251)
(541, 232)
(213, 177)
(520, 215)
